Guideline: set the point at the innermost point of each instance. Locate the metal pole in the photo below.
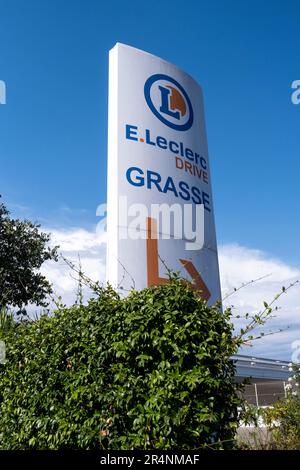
(256, 395)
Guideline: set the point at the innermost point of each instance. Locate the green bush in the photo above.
(23, 250)
(276, 427)
(151, 371)
(283, 419)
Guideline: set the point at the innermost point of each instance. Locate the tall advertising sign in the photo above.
(160, 213)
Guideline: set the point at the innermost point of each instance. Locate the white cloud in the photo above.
(238, 265)
(76, 243)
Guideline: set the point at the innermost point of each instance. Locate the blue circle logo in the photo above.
(169, 102)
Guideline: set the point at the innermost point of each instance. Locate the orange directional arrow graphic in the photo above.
(152, 255)
(153, 269)
(198, 283)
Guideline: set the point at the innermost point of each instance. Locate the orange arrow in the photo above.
(153, 269)
(152, 255)
(198, 283)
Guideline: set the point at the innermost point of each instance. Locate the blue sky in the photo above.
(53, 129)
(54, 60)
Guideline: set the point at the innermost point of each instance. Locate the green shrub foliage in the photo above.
(283, 418)
(23, 250)
(151, 371)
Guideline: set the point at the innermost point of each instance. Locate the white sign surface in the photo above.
(157, 155)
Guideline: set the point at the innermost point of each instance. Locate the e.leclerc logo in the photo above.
(169, 102)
